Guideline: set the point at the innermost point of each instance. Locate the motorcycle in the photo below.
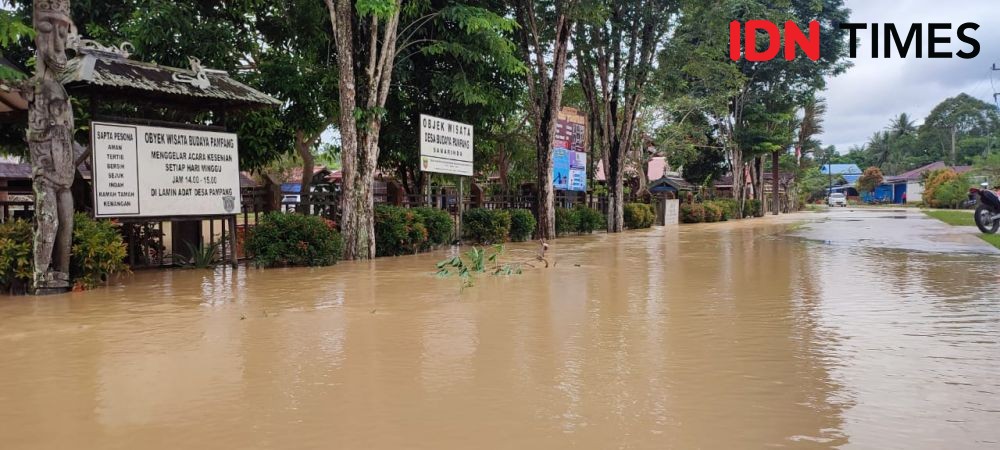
(987, 214)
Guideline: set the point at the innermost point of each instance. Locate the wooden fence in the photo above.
(152, 243)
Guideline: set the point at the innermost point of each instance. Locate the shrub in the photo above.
(951, 194)
(281, 239)
(692, 213)
(438, 224)
(639, 215)
(935, 180)
(751, 208)
(399, 231)
(567, 221)
(713, 212)
(522, 225)
(730, 208)
(15, 256)
(588, 219)
(98, 251)
(486, 226)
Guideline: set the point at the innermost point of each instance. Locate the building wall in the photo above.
(914, 192)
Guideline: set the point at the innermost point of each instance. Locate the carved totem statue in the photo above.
(50, 139)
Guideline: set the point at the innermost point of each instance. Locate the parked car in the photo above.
(837, 199)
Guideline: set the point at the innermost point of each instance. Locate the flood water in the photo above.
(744, 335)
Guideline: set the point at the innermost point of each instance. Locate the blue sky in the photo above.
(864, 99)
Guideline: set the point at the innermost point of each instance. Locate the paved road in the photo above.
(904, 229)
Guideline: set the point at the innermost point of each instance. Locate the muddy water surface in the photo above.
(714, 336)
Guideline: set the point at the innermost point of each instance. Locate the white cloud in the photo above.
(867, 96)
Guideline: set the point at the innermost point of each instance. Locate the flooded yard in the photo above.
(841, 332)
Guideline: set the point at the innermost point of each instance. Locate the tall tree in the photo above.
(961, 127)
(296, 63)
(615, 52)
(545, 40)
(468, 72)
(902, 125)
(366, 31)
(809, 126)
(370, 37)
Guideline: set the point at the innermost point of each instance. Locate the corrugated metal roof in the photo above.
(15, 171)
(840, 169)
(917, 174)
(99, 70)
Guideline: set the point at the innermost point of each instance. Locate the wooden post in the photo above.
(461, 206)
(232, 241)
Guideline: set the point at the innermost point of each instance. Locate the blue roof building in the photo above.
(850, 172)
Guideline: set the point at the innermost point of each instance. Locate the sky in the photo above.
(865, 98)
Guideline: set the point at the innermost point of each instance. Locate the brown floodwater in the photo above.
(744, 335)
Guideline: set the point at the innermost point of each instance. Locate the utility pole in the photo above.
(954, 158)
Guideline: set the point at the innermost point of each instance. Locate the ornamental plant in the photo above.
(281, 239)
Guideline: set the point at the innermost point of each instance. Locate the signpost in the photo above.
(156, 172)
(446, 148)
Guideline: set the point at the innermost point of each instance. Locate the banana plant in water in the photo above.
(479, 261)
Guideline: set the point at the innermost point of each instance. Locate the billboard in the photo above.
(141, 171)
(445, 146)
(569, 161)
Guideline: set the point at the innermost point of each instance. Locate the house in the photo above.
(850, 172)
(910, 184)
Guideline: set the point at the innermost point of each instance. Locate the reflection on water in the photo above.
(719, 336)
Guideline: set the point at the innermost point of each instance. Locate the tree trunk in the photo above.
(341, 16)
(360, 201)
(739, 178)
(304, 149)
(758, 185)
(547, 131)
(775, 172)
(616, 185)
(360, 150)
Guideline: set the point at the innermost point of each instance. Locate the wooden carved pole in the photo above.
(50, 140)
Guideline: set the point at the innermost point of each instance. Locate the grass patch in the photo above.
(962, 219)
(992, 239)
(955, 218)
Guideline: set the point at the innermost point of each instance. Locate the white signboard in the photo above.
(142, 171)
(445, 146)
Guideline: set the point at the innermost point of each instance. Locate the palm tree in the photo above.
(902, 125)
(809, 126)
(880, 146)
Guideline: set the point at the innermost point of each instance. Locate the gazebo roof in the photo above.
(668, 182)
(111, 74)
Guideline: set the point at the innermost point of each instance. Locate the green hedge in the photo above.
(713, 212)
(639, 215)
(522, 225)
(692, 213)
(730, 208)
(567, 221)
(579, 220)
(589, 220)
(486, 226)
(280, 239)
(97, 253)
(399, 231)
(438, 224)
(752, 208)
